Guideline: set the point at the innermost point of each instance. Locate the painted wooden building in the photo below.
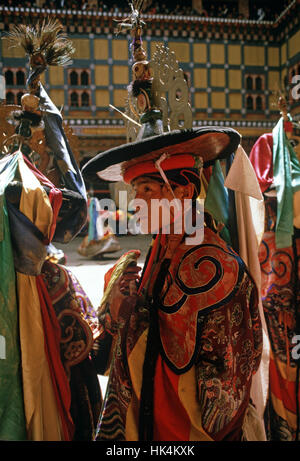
(233, 67)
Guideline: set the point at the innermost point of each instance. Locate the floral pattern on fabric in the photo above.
(71, 307)
(231, 344)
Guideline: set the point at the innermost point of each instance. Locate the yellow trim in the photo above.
(285, 414)
(42, 417)
(135, 364)
(288, 373)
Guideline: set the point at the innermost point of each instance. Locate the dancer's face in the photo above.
(156, 211)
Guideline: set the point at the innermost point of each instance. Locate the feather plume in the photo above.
(23, 36)
(46, 40)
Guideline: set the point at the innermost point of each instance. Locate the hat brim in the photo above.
(210, 143)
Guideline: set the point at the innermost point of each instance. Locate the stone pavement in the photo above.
(90, 273)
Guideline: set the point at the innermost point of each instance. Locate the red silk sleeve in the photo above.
(261, 157)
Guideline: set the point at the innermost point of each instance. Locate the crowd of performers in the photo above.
(199, 344)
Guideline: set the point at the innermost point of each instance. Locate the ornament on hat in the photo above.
(158, 118)
(158, 96)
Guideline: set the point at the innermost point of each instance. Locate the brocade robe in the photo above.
(184, 360)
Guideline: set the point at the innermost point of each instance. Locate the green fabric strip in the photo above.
(286, 171)
(12, 418)
(217, 201)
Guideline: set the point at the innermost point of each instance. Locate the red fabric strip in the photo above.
(282, 389)
(171, 421)
(170, 163)
(261, 157)
(59, 378)
(288, 127)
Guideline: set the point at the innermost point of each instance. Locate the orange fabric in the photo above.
(287, 319)
(170, 163)
(107, 276)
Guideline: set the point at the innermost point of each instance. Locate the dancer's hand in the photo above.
(128, 281)
(125, 287)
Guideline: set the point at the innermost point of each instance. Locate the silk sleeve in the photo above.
(261, 157)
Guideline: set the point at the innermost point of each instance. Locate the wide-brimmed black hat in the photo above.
(209, 143)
